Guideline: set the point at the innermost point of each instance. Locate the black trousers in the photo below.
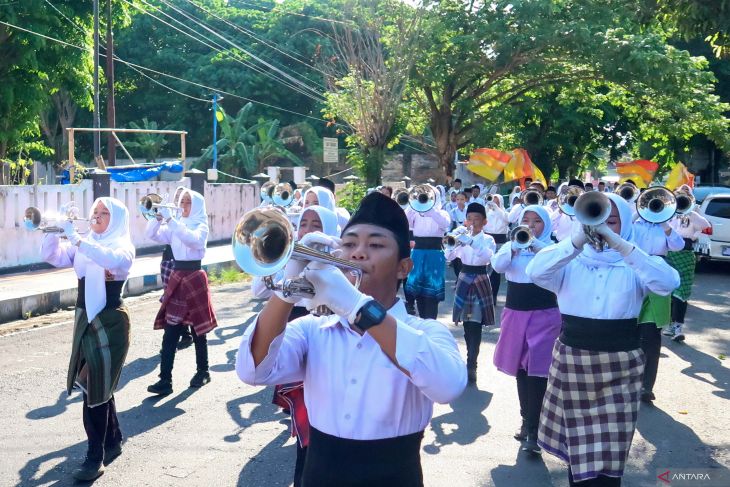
(651, 344)
(456, 264)
(600, 481)
(473, 339)
(299, 465)
(531, 391)
(427, 307)
(679, 310)
(170, 340)
(495, 279)
(102, 428)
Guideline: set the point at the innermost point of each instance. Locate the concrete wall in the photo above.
(226, 203)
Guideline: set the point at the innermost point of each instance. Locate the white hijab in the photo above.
(198, 215)
(325, 198)
(610, 257)
(116, 236)
(327, 217)
(547, 230)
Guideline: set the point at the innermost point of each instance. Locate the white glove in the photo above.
(317, 240)
(577, 235)
(613, 240)
(491, 205)
(334, 290)
(464, 239)
(70, 232)
(165, 213)
(538, 245)
(293, 269)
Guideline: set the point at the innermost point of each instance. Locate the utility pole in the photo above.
(111, 154)
(97, 139)
(216, 99)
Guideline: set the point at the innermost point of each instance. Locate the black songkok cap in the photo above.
(379, 210)
(576, 182)
(326, 183)
(476, 208)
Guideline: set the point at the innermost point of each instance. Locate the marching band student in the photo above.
(529, 326)
(497, 227)
(562, 223)
(592, 400)
(371, 372)
(689, 228)
(343, 216)
(654, 239)
(187, 297)
(452, 201)
(475, 198)
(473, 300)
(458, 217)
(291, 396)
(101, 325)
(426, 283)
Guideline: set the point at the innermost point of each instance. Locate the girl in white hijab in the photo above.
(186, 301)
(101, 326)
(597, 362)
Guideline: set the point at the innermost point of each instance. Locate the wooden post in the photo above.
(182, 148)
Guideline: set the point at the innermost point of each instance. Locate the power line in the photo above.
(289, 12)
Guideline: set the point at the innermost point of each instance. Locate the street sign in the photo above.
(331, 150)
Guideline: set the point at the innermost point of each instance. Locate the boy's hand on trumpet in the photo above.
(334, 290)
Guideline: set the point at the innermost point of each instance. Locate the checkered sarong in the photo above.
(166, 268)
(473, 291)
(684, 261)
(590, 409)
(187, 301)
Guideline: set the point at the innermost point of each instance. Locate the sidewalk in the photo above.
(40, 292)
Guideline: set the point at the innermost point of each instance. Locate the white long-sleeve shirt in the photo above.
(690, 226)
(514, 213)
(478, 252)
(601, 292)
(351, 388)
(433, 223)
(186, 244)
(497, 220)
(458, 215)
(60, 253)
(562, 225)
(650, 237)
(514, 268)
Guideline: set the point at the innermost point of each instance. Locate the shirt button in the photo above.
(597, 298)
(353, 381)
(359, 345)
(347, 416)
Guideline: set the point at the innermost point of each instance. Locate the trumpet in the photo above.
(685, 202)
(267, 190)
(656, 205)
(150, 204)
(532, 197)
(450, 241)
(282, 195)
(263, 243)
(628, 191)
(521, 237)
(567, 198)
(422, 198)
(33, 219)
(401, 197)
(592, 208)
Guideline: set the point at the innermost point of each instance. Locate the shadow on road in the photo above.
(464, 424)
(137, 420)
(703, 365)
(528, 469)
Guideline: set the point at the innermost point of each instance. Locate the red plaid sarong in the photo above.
(187, 302)
(291, 396)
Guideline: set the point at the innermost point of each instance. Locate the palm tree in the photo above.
(149, 144)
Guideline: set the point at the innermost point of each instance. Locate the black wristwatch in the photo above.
(372, 313)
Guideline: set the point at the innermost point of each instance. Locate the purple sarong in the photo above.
(526, 341)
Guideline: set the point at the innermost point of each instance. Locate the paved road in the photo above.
(228, 433)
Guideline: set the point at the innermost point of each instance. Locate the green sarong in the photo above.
(684, 261)
(102, 345)
(656, 309)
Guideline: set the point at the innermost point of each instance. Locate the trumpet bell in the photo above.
(521, 237)
(401, 197)
(567, 198)
(422, 198)
(32, 219)
(592, 208)
(532, 197)
(267, 191)
(628, 191)
(147, 204)
(263, 241)
(283, 195)
(656, 204)
(685, 202)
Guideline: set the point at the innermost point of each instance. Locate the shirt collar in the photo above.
(398, 311)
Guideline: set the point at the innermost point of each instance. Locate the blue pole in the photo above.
(215, 130)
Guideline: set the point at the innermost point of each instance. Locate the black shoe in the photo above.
(161, 388)
(531, 444)
(200, 379)
(185, 342)
(111, 452)
(89, 470)
(521, 434)
(647, 397)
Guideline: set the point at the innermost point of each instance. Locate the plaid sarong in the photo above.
(166, 268)
(684, 261)
(187, 301)
(473, 291)
(590, 409)
(102, 345)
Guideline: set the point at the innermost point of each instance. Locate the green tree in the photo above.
(149, 143)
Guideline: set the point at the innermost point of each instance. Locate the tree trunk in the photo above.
(374, 162)
(444, 136)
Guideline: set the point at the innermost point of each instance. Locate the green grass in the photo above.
(227, 276)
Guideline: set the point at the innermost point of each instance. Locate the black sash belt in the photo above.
(186, 265)
(499, 238)
(600, 335)
(526, 296)
(688, 244)
(428, 243)
(339, 462)
(113, 294)
(167, 253)
(473, 269)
